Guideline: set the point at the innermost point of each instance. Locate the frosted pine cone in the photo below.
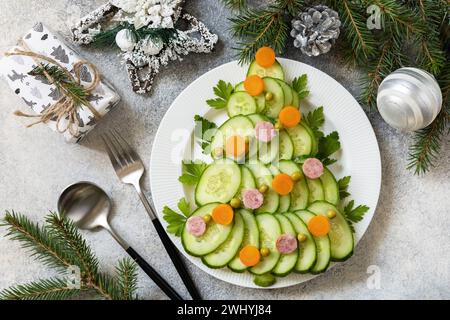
(316, 30)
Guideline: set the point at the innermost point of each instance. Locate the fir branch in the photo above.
(293, 7)
(127, 279)
(38, 240)
(424, 151)
(45, 289)
(235, 4)
(258, 28)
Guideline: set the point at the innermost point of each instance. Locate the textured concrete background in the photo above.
(408, 238)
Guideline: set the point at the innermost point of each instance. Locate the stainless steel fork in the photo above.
(130, 169)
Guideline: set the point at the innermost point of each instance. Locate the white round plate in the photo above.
(359, 157)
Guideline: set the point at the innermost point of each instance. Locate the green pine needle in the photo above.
(127, 279)
(45, 289)
(235, 4)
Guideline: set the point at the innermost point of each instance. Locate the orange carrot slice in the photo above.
(223, 214)
(265, 57)
(282, 184)
(290, 116)
(236, 146)
(250, 255)
(319, 226)
(254, 85)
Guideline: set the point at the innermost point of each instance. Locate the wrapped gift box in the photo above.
(39, 94)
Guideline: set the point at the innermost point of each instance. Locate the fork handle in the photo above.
(171, 249)
(155, 276)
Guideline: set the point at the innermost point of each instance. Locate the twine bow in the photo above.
(67, 105)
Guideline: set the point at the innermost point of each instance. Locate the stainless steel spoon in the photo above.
(89, 207)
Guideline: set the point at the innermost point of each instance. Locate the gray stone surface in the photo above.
(408, 238)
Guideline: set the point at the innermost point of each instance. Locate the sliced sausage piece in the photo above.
(286, 243)
(265, 131)
(196, 226)
(252, 198)
(313, 168)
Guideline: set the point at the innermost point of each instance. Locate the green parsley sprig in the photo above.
(176, 220)
(223, 90)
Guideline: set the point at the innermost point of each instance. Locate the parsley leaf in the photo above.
(327, 146)
(175, 220)
(300, 85)
(204, 132)
(223, 91)
(354, 215)
(343, 187)
(315, 119)
(192, 170)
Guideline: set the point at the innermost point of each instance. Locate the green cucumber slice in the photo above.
(227, 251)
(301, 139)
(238, 125)
(287, 92)
(287, 262)
(215, 234)
(264, 280)
(241, 103)
(257, 117)
(247, 180)
(330, 187)
(273, 106)
(286, 146)
(260, 100)
(285, 201)
(314, 140)
(268, 152)
(219, 182)
(341, 236)
(300, 192)
(251, 237)
(307, 249)
(269, 231)
(274, 71)
(295, 99)
(315, 190)
(263, 176)
(323, 245)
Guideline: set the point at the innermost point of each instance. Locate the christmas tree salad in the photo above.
(267, 202)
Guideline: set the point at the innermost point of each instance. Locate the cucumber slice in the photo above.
(219, 182)
(341, 236)
(264, 280)
(285, 201)
(315, 190)
(227, 251)
(260, 100)
(330, 187)
(301, 139)
(287, 92)
(239, 125)
(257, 117)
(269, 231)
(274, 106)
(295, 99)
(314, 140)
(263, 176)
(241, 103)
(268, 152)
(287, 262)
(251, 237)
(247, 180)
(323, 246)
(215, 234)
(300, 193)
(274, 71)
(307, 249)
(286, 146)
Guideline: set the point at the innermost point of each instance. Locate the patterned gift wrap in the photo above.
(39, 94)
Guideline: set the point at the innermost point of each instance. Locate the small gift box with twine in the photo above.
(64, 91)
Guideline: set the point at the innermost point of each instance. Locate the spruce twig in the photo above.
(46, 289)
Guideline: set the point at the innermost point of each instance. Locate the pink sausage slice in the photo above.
(196, 226)
(286, 243)
(265, 131)
(313, 168)
(252, 198)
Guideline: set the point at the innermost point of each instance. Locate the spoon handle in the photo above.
(155, 276)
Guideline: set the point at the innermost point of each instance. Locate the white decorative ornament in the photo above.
(409, 99)
(152, 45)
(126, 40)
